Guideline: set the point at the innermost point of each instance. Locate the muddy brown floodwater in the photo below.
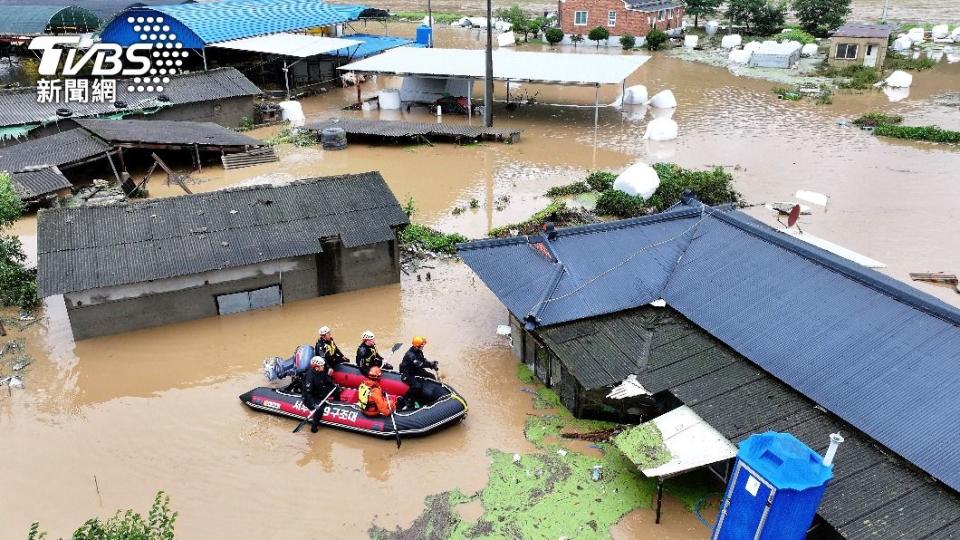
(157, 409)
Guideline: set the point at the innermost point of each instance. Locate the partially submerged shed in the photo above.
(36, 166)
(776, 55)
(142, 264)
(860, 44)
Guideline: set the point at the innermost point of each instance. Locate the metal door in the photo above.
(247, 300)
(870, 60)
(745, 506)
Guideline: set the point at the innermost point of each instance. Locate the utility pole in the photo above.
(883, 16)
(430, 21)
(488, 79)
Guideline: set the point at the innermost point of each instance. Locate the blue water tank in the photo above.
(423, 35)
(774, 490)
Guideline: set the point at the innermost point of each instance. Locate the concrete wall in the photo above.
(112, 310)
(861, 51)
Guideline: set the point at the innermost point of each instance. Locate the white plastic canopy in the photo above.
(691, 441)
(286, 44)
(534, 67)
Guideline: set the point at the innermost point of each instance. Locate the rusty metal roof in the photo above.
(881, 31)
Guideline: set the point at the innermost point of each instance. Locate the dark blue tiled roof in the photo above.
(872, 350)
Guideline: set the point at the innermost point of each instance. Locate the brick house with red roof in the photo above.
(634, 17)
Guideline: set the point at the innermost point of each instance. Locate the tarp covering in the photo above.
(29, 20)
(551, 68)
(286, 44)
(370, 44)
(691, 441)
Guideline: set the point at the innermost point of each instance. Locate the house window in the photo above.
(611, 18)
(660, 15)
(247, 300)
(580, 18)
(846, 51)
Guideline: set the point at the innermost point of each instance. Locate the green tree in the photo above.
(576, 39)
(702, 8)
(598, 34)
(18, 286)
(820, 17)
(553, 35)
(655, 39)
(518, 19)
(769, 18)
(628, 42)
(533, 27)
(743, 12)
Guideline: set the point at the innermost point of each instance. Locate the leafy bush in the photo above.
(294, 136)
(569, 189)
(711, 187)
(553, 35)
(851, 77)
(601, 180)
(628, 42)
(246, 124)
(18, 285)
(556, 211)
(614, 202)
(918, 133)
(820, 17)
(907, 63)
(431, 239)
(128, 525)
(789, 95)
(598, 34)
(798, 35)
(576, 39)
(874, 119)
(417, 16)
(410, 207)
(656, 38)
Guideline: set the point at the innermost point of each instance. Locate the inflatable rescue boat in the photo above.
(443, 405)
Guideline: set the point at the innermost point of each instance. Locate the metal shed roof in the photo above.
(88, 248)
(371, 44)
(37, 181)
(32, 20)
(845, 336)
(550, 68)
(169, 132)
(60, 149)
(286, 44)
(882, 31)
(204, 23)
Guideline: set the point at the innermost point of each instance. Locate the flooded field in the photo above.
(158, 409)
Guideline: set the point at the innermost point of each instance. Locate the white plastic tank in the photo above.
(810, 49)
(739, 56)
(731, 41)
(896, 94)
(690, 42)
(639, 179)
(940, 31)
(389, 99)
(712, 27)
(662, 129)
(899, 79)
(635, 95)
(292, 112)
(663, 100)
(506, 39)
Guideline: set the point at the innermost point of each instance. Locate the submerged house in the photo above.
(858, 44)
(619, 17)
(156, 262)
(753, 330)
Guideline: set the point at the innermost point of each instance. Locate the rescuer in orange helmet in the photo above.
(373, 401)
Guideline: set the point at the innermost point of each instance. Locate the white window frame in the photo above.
(576, 16)
(611, 18)
(660, 14)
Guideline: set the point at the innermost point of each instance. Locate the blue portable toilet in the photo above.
(774, 490)
(424, 33)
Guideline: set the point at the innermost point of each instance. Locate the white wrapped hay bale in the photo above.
(902, 43)
(940, 31)
(793, 45)
(506, 39)
(502, 26)
(663, 100)
(739, 56)
(689, 42)
(916, 35)
(639, 179)
(292, 111)
(899, 79)
(731, 41)
(810, 49)
(753, 46)
(635, 95)
(712, 27)
(956, 34)
(662, 129)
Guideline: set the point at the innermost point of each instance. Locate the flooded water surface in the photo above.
(157, 409)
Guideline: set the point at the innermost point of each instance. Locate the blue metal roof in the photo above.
(374, 44)
(200, 24)
(876, 352)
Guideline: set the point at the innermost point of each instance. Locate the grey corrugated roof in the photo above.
(651, 5)
(19, 106)
(166, 132)
(865, 30)
(868, 493)
(843, 335)
(87, 248)
(60, 149)
(34, 182)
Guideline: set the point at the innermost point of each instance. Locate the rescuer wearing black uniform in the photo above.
(316, 385)
(367, 355)
(414, 365)
(327, 348)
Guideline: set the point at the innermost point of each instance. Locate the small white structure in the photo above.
(777, 55)
(639, 179)
(292, 111)
(501, 26)
(731, 41)
(916, 35)
(753, 46)
(899, 79)
(940, 31)
(712, 27)
(689, 42)
(902, 43)
(506, 39)
(661, 129)
(810, 49)
(739, 56)
(389, 99)
(635, 95)
(663, 100)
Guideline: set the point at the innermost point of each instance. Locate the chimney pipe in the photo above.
(835, 440)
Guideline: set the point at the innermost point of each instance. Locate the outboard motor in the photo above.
(277, 368)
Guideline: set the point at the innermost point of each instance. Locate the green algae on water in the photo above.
(643, 445)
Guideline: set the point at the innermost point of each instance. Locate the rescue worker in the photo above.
(327, 348)
(316, 385)
(367, 355)
(372, 400)
(414, 365)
